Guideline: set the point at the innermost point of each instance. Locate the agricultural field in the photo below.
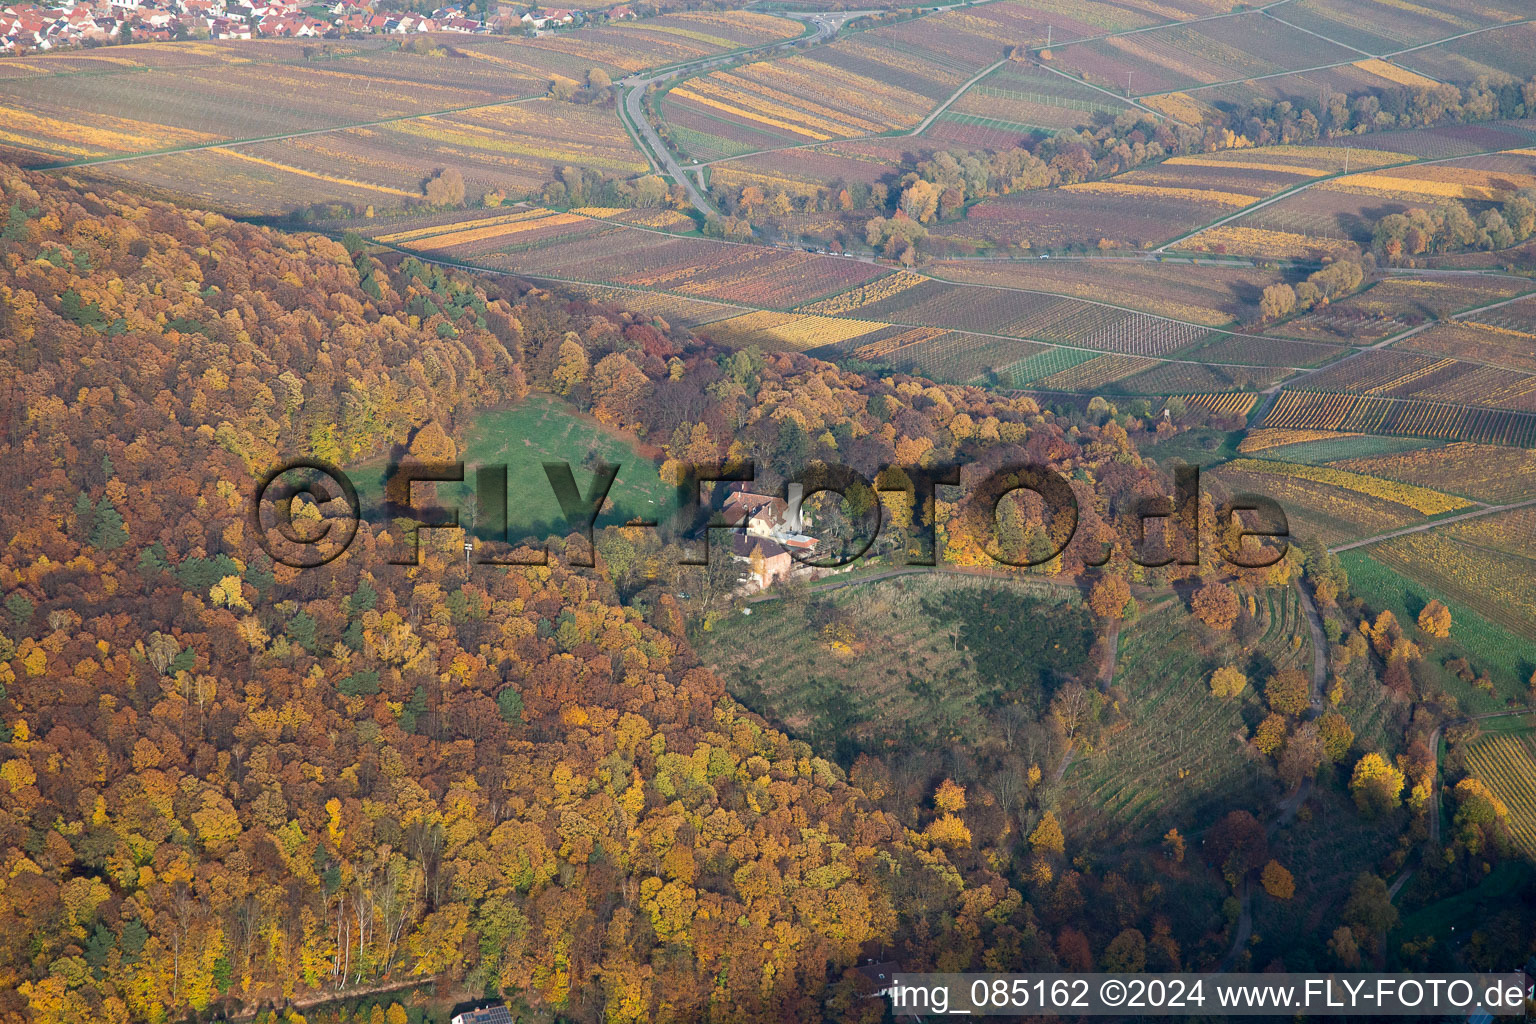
(1223, 404)
(1500, 585)
(652, 42)
(1512, 531)
(670, 309)
(1151, 205)
(1392, 374)
(1031, 315)
(130, 109)
(1481, 472)
(378, 120)
(1411, 417)
(1508, 51)
(1432, 183)
(866, 84)
(1319, 510)
(1506, 764)
(1352, 79)
(1328, 447)
(1151, 775)
(466, 239)
(1396, 303)
(886, 79)
(1025, 97)
(1264, 350)
(1058, 218)
(1378, 27)
(1485, 343)
(1210, 294)
(1422, 500)
(771, 330)
(1178, 57)
(1338, 213)
(935, 689)
(801, 170)
(749, 275)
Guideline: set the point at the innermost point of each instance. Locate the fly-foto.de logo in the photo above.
(306, 513)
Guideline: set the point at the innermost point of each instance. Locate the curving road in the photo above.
(827, 25)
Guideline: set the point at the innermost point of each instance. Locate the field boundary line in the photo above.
(1326, 39)
(922, 125)
(1294, 383)
(1341, 63)
(1475, 514)
(1304, 185)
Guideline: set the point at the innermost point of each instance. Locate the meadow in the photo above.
(522, 437)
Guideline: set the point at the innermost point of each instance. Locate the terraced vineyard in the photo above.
(1149, 777)
(1506, 764)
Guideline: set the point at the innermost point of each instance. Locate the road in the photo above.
(1432, 845)
(1488, 511)
(1319, 646)
(827, 25)
(922, 125)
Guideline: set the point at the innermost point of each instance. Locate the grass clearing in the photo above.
(537, 429)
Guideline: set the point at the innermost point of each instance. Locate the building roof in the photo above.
(495, 1014)
(753, 505)
(742, 546)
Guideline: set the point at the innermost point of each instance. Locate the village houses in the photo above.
(33, 27)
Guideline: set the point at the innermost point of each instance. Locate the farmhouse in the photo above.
(772, 534)
(769, 561)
